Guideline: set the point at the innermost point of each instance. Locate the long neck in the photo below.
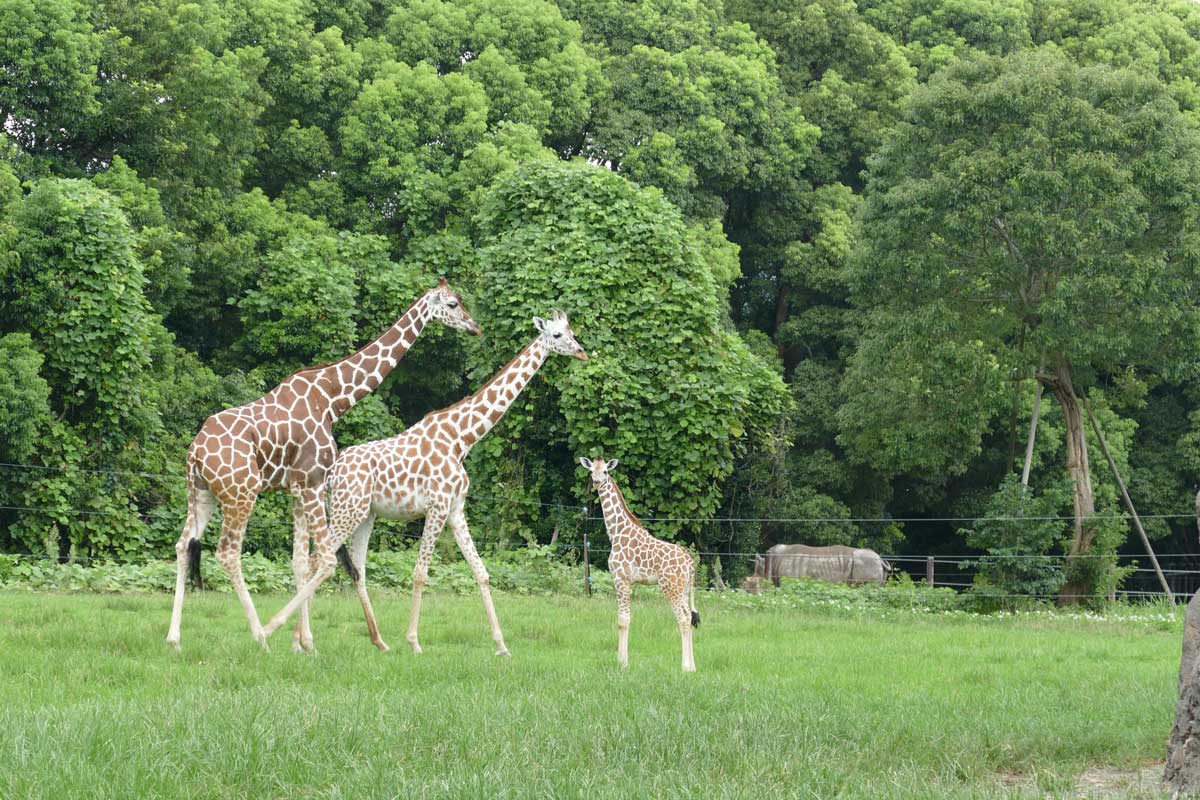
(356, 376)
(616, 512)
(480, 412)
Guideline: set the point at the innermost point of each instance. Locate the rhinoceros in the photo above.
(836, 564)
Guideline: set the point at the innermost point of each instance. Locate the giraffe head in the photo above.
(446, 306)
(599, 469)
(558, 337)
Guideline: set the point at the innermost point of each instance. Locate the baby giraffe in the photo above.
(420, 473)
(637, 557)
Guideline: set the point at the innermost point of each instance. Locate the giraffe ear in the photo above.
(540, 324)
(587, 463)
(612, 464)
(442, 282)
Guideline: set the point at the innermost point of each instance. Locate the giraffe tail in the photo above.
(344, 557)
(692, 604)
(194, 543)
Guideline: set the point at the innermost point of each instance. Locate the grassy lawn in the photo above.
(786, 703)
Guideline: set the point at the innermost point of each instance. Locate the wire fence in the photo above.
(955, 571)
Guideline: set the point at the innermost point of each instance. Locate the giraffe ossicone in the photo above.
(637, 557)
(420, 473)
(284, 441)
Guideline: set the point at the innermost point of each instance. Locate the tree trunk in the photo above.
(1077, 588)
(782, 307)
(1182, 773)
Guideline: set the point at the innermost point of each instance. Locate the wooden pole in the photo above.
(1137, 522)
(1033, 423)
(929, 570)
(587, 565)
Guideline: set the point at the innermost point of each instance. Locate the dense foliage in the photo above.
(821, 250)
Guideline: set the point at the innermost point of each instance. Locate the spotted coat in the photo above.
(284, 441)
(638, 557)
(420, 473)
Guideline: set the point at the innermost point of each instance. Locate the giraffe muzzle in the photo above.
(582, 356)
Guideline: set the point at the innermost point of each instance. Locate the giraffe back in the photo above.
(282, 438)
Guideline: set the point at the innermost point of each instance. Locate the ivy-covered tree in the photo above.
(670, 389)
(75, 284)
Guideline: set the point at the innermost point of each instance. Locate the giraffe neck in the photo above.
(357, 375)
(480, 412)
(617, 516)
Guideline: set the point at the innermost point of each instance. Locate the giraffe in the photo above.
(284, 440)
(637, 557)
(420, 473)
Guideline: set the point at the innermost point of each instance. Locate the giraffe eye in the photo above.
(558, 336)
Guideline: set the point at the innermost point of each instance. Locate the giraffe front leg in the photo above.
(435, 520)
(462, 535)
(311, 502)
(229, 554)
(302, 566)
(624, 596)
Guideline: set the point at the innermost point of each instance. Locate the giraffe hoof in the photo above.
(173, 644)
(504, 652)
(382, 645)
(416, 648)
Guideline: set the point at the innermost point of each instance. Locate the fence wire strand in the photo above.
(965, 560)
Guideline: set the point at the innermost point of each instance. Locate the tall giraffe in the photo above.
(420, 474)
(637, 557)
(284, 440)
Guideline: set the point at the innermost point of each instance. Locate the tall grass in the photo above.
(787, 702)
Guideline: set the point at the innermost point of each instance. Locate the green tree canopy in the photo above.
(1039, 215)
(670, 389)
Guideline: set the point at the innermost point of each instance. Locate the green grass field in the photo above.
(786, 703)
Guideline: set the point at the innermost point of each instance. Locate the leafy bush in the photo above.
(899, 593)
(1019, 531)
(533, 570)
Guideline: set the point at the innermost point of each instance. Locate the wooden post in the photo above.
(929, 570)
(1037, 405)
(1137, 522)
(587, 564)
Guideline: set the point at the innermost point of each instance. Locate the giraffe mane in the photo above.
(328, 364)
(478, 392)
(624, 505)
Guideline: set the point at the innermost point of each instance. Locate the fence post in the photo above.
(587, 564)
(929, 570)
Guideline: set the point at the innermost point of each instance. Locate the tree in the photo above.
(670, 389)
(1042, 216)
(49, 69)
(77, 287)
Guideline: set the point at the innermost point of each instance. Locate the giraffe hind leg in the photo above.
(676, 594)
(201, 506)
(355, 562)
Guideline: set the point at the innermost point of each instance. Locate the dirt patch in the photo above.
(1099, 783)
(1102, 782)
